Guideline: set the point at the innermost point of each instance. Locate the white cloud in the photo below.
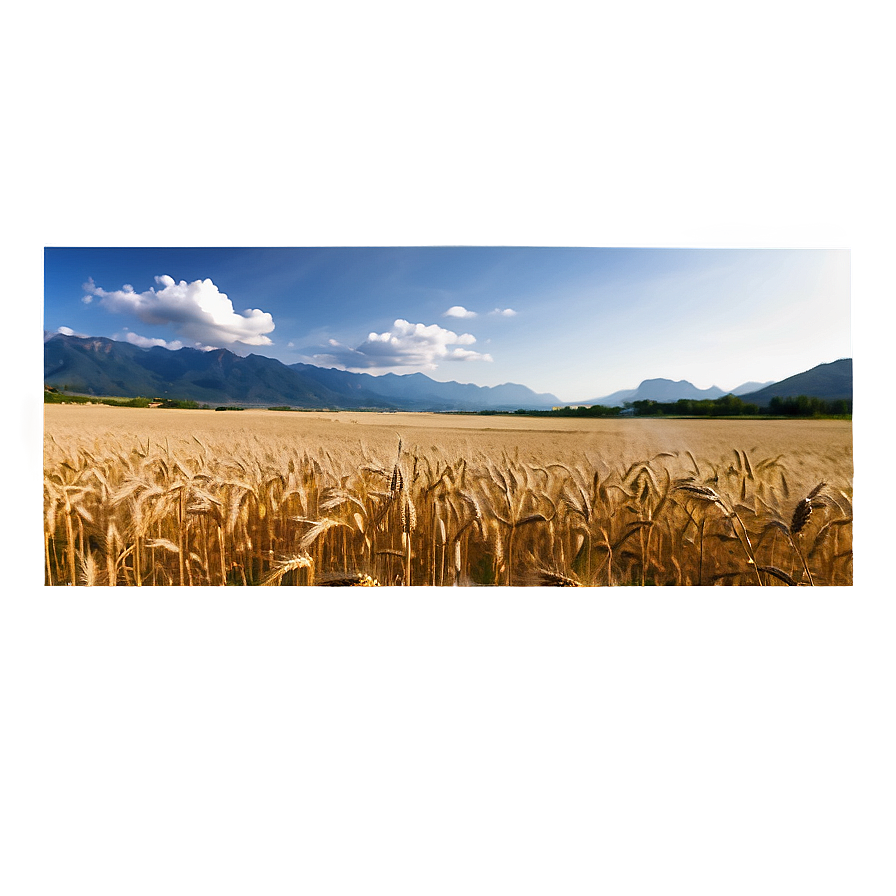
(504, 312)
(458, 311)
(147, 342)
(68, 331)
(406, 345)
(195, 310)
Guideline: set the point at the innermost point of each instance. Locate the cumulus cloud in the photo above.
(504, 312)
(147, 342)
(68, 331)
(406, 345)
(195, 310)
(458, 311)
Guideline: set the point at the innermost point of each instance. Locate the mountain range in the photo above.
(101, 366)
(828, 381)
(669, 390)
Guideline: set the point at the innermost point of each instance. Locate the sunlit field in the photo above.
(255, 497)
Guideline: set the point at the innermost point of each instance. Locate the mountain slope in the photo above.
(98, 366)
(828, 381)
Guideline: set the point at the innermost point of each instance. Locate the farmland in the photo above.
(136, 496)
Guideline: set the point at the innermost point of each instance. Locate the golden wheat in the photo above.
(260, 510)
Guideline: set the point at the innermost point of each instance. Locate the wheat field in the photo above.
(180, 497)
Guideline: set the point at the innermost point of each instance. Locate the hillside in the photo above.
(827, 381)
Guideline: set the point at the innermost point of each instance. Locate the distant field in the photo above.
(151, 496)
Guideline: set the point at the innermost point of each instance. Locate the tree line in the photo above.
(726, 406)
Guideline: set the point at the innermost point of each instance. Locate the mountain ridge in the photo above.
(419, 389)
(97, 365)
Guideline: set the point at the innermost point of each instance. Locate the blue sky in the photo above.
(577, 322)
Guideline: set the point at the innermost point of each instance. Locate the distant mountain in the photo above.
(415, 391)
(746, 388)
(827, 381)
(658, 390)
(100, 366)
